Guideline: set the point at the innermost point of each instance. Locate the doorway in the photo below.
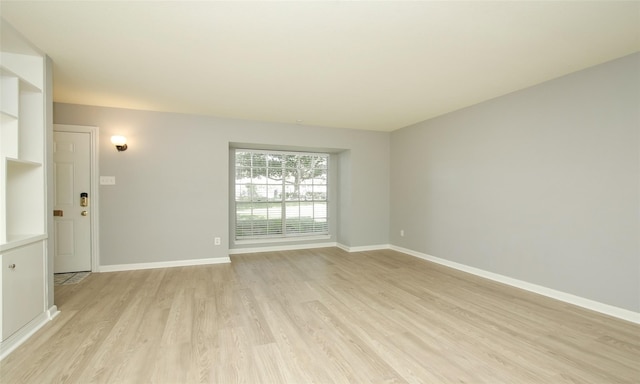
(75, 199)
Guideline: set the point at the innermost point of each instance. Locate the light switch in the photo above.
(107, 180)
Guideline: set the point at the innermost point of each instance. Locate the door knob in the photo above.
(84, 213)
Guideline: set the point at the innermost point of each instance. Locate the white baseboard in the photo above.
(163, 264)
(52, 312)
(24, 333)
(606, 309)
(363, 248)
(276, 248)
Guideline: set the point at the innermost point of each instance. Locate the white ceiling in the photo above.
(364, 65)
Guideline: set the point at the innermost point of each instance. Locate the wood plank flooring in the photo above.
(319, 316)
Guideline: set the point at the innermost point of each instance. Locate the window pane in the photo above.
(321, 162)
(275, 161)
(258, 192)
(320, 192)
(321, 226)
(293, 218)
(274, 175)
(306, 209)
(259, 175)
(290, 192)
(291, 175)
(265, 220)
(243, 219)
(275, 219)
(243, 159)
(275, 192)
(291, 161)
(319, 210)
(259, 212)
(243, 192)
(305, 162)
(243, 174)
(306, 192)
(259, 160)
(292, 210)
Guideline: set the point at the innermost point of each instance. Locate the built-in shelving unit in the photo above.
(23, 232)
(22, 152)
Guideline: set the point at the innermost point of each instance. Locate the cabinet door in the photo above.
(22, 286)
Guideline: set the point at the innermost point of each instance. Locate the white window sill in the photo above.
(270, 240)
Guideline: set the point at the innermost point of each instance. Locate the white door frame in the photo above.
(94, 222)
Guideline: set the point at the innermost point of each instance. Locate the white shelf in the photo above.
(19, 240)
(6, 118)
(21, 162)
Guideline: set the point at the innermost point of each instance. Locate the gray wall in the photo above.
(540, 185)
(171, 196)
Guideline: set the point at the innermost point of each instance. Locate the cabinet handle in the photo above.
(12, 266)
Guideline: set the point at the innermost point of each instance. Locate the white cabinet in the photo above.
(22, 287)
(23, 188)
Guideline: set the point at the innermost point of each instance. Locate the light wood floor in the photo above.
(321, 316)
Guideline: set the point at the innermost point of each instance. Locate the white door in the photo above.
(72, 224)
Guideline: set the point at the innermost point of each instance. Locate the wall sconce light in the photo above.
(120, 142)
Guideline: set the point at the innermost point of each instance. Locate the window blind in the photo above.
(280, 194)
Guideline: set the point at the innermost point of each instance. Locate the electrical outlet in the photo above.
(216, 241)
(402, 233)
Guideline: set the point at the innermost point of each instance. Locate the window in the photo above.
(280, 194)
